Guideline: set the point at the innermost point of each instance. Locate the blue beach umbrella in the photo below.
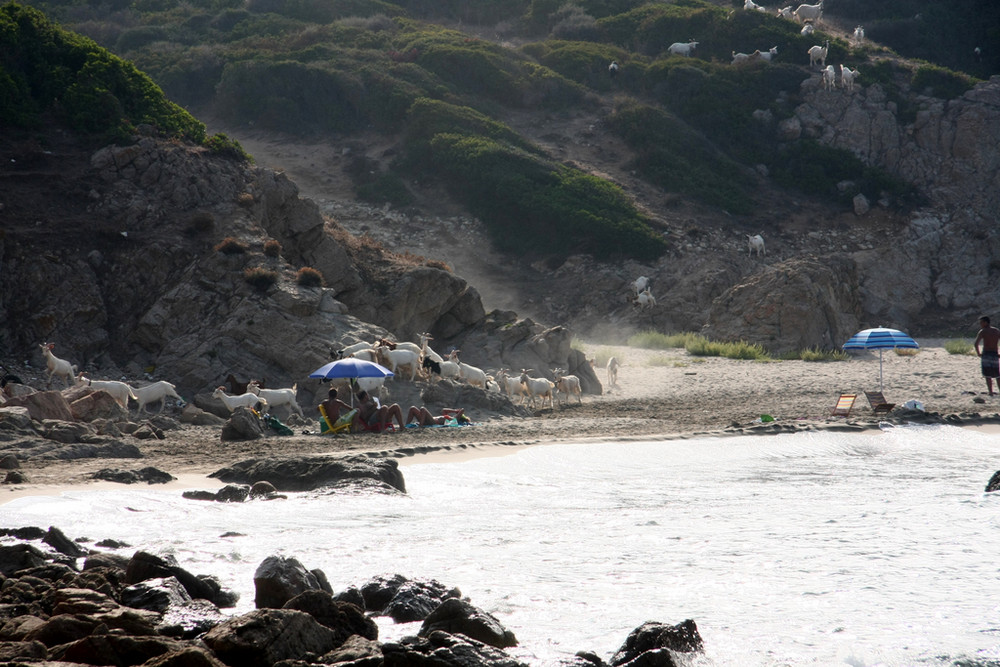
(880, 338)
(351, 368)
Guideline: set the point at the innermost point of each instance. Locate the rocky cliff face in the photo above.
(136, 282)
(937, 268)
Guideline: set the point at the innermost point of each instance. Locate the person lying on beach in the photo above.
(377, 417)
(336, 413)
(423, 417)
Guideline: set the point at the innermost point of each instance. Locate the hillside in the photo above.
(670, 165)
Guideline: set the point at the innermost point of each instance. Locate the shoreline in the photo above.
(660, 395)
(444, 453)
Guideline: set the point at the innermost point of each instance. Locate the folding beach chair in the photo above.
(877, 401)
(844, 405)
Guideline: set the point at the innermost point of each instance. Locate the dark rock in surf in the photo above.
(457, 616)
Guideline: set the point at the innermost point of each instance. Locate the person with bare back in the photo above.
(989, 336)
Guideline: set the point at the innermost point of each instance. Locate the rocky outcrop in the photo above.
(313, 472)
(792, 305)
(942, 259)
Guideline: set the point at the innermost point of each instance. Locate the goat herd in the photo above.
(808, 15)
(420, 360)
(405, 359)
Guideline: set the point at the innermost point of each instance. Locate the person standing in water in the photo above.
(989, 336)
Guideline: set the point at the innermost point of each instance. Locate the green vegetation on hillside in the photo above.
(442, 73)
(46, 70)
(529, 204)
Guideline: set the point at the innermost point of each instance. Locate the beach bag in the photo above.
(275, 424)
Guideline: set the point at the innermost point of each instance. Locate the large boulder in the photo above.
(278, 579)
(262, 637)
(43, 405)
(459, 616)
(144, 566)
(98, 405)
(344, 618)
(312, 472)
(660, 639)
(445, 650)
(792, 305)
(242, 425)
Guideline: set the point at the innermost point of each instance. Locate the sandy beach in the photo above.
(661, 394)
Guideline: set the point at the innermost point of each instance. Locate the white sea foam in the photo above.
(806, 549)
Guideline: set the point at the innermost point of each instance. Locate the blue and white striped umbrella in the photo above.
(880, 338)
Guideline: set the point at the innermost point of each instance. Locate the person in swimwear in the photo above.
(989, 336)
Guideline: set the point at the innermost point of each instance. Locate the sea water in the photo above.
(807, 549)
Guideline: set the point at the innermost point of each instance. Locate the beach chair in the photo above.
(844, 405)
(342, 425)
(877, 401)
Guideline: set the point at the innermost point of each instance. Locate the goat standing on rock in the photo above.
(755, 243)
(57, 366)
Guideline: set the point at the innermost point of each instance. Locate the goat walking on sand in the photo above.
(612, 369)
(56, 366)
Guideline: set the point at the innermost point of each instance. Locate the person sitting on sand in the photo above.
(378, 417)
(990, 362)
(423, 417)
(336, 413)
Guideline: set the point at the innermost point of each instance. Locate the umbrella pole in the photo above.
(880, 387)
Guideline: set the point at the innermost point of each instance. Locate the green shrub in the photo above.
(220, 144)
(959, 346)
(260, 279)
(231, 246)
(272, 248)
(92, 90)
(655, 340)
(941, 82)
(702, 347)
(309, 277)
(816, 354)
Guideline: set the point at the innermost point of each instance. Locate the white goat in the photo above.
(741, 58)
(645, 299)
(770, 53)
(750, 4)
(785, 12)
(612, 369)
(471, 374)
(809, 12)
(56, 366)
(425, 349)
(247, 400)
(639, 284)
(755, 244)
(511, 385)
(829, 77)
(351, 349)
(367, 355)
(394, 359)
(817, 54)
(119, 391)
(568, 384)
(807, 30)
(859, 34)
(537, 387)
(847, 77)
(151, 393)
(277, 397)
(682, 48)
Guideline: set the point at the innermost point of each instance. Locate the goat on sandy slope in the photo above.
(119, 391)
(612, 369)
(277, 397)
(247, 400)
(151, 393)
(56, 366)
